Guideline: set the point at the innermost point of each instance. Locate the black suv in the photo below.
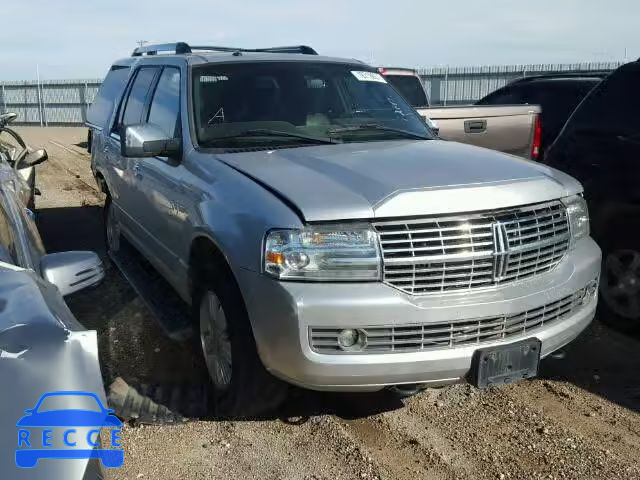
(600, 146)
(557, 94)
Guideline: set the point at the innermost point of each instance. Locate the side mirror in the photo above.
(72, 271)
(6, 118)
(147, 140)
(34, 158)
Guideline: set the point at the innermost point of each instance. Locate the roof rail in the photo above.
(182, 47)
(176, 48)
(565, 74)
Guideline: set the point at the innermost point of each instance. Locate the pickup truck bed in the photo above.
(507, 128)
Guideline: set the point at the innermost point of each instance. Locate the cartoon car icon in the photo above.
(69, 418)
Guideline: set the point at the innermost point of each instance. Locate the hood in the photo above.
(39, 353)
(399, 178)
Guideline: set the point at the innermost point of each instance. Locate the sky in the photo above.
(80, 38)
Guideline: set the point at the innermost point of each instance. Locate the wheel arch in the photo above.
(206, 259)
(611, 216)
(101, 180)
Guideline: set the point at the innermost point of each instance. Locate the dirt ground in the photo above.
(579, 420)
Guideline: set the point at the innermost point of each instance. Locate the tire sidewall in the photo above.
(619, 236)
(108, 206)
(248, 393)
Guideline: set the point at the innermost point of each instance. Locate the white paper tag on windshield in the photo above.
(368, 76)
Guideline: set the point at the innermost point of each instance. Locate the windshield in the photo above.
(279, 103)
(411, 88)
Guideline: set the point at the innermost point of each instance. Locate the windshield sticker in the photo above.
(369, 76)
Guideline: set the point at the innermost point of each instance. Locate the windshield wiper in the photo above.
(265, 132)
(376, 126)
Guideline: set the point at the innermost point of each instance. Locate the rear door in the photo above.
(123, 175)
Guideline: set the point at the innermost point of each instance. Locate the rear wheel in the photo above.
(619, 304)
(241, 385)
(620, 288)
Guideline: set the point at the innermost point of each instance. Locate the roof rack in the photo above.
(182, 48)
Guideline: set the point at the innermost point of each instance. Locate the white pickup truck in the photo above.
(514, 129)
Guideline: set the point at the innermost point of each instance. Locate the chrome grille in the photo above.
(433, 336)
(462, 252)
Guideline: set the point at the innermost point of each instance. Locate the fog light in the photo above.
(351, 339)
(348, 338)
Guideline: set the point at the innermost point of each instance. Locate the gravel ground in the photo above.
(580, 420)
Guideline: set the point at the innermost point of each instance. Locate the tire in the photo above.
(619, 305)
(31, 204)
(111, 227)
(241, 385)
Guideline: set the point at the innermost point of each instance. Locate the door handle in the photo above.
(475, 126)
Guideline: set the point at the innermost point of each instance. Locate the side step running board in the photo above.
(171, 312)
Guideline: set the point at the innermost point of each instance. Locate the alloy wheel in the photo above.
(214, 338)
(113, 230)
(620, 283)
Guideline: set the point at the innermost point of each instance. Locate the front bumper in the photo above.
(281, 314)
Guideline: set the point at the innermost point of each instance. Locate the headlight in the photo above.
(578, 214)
(330, 253)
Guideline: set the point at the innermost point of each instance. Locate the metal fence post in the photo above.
(39, 96)
(82, 93)
(446, 85)
(44, 107)
(4, 98)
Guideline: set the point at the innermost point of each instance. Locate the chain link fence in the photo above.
(65, 102)
(49, 102)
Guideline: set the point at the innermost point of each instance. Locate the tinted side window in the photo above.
(165, 106)
(611, 107)
(138, 93)
(505, 96)
(559, 99)
(411, 89)
(109, 93)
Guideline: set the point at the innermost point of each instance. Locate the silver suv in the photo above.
(323, 234)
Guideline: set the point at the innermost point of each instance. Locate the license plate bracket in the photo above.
(506, 364)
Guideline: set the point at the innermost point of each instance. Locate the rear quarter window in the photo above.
(101, 109)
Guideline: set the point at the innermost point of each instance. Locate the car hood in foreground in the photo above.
(42, 349)
(399, 178)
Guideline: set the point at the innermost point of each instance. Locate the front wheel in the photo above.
(111, 227)
(620, 287)
(241, 385)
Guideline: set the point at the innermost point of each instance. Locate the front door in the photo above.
(159, 188)
(124, 171)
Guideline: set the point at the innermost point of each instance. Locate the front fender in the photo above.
(236, 221)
